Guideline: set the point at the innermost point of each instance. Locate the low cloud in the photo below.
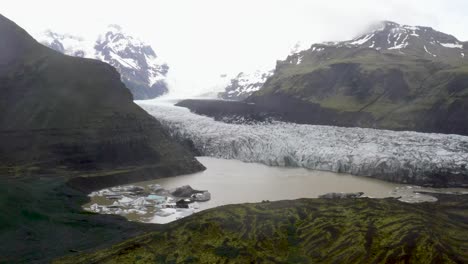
(205, 38)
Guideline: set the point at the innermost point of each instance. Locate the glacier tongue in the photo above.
(406, 157)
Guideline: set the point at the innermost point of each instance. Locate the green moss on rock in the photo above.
(306, 231)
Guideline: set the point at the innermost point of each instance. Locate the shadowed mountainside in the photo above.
(75, 113)
(65, 118)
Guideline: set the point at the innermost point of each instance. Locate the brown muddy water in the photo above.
(233, 182)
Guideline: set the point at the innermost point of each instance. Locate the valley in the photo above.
(350, 151)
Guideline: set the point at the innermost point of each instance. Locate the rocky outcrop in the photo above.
(341, 195)
(201, 197)
(185, 191)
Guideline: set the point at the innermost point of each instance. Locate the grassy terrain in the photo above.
(305, 231)
(394, 90)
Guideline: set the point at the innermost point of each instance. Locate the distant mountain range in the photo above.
(392, 77)
(141, 70)
(244, 85)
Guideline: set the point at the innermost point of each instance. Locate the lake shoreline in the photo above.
(237, 182)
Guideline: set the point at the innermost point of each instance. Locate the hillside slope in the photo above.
(393, 77)
(305, 231)
(69, 122)
(57, 110)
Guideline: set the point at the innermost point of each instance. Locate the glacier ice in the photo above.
(406, 157)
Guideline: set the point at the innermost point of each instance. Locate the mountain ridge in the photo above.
(140, 68)
(393, 77)
(389, 36)
(384, 36)
(245, 84)
(53, 114)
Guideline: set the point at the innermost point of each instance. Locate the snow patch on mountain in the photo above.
(361, 40)
(299, 59)
(455, 45)
(425, 48)
(316, 49)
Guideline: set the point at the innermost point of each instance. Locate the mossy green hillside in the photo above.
(305, 231)
(393, 89)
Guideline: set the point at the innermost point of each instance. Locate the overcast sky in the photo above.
(201, 39)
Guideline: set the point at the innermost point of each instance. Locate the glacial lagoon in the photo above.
(233, 182)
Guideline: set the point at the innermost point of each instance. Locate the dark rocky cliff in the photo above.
(58, 110)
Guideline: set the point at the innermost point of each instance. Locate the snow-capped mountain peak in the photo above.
(140, 68)
(391, 35)
(244, 84)
(67, 44)
(118, 40)
(131, 55)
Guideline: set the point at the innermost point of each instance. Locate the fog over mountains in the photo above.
(363, 110)
(140, 68)
(383, 37)
(197, 51)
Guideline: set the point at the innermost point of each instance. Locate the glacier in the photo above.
(425, 159)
